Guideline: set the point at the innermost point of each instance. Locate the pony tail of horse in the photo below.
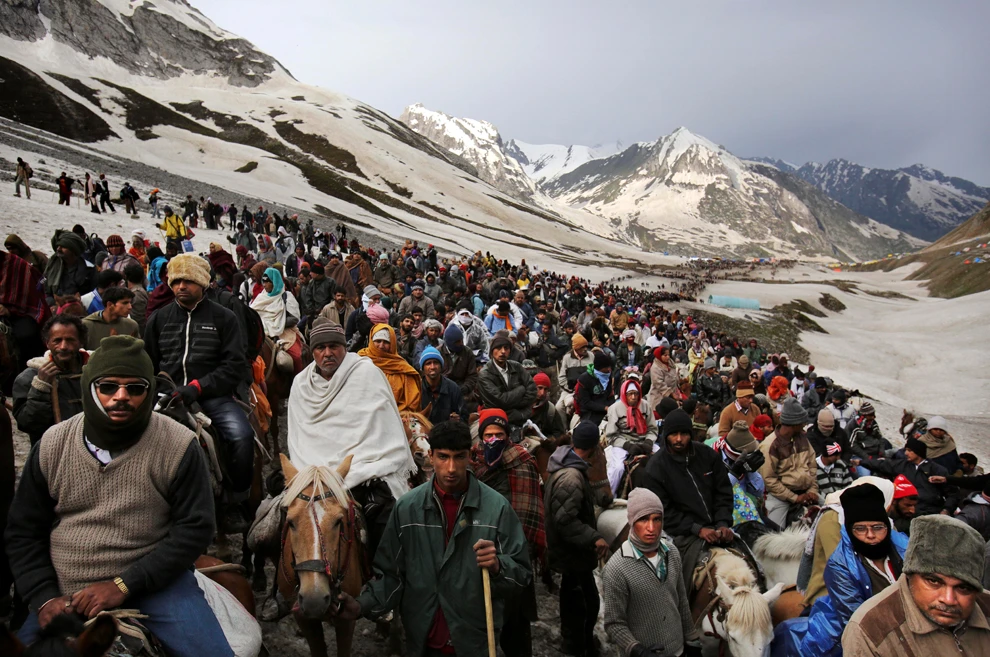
(749, 611)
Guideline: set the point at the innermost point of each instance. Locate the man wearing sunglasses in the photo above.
(78, 550)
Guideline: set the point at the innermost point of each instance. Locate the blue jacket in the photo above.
(848, 586)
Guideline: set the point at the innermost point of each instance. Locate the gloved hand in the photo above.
(189, 394)
(640, 650)
(747, 463)
(692, 649)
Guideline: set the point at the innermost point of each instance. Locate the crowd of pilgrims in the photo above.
(581, 365)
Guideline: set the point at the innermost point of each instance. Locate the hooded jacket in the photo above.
(848, 584)
(591, 400)
(570, 514)
(695, 489)
(932, 498)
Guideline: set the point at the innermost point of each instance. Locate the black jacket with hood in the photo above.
(570, 514)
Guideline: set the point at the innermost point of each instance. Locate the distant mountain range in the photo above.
(920, 201)
(681, 193)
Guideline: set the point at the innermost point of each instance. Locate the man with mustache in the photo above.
(48, 391)
(938, 605)
(113, 508)
(342, 404)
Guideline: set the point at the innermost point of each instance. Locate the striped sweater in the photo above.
(832, 480)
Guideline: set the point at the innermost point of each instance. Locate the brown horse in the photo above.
(278, 383)
(322, 552)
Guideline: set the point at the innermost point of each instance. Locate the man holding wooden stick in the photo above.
(433, 576)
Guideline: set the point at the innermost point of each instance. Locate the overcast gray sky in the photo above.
(882, 83)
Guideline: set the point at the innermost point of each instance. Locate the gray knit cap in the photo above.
(371, 291)
(709, 363)
(792, 413)
(927, 551)
(642, 502)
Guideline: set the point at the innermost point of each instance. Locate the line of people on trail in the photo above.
(639, 402)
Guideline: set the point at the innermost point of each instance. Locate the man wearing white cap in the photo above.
(941, 446)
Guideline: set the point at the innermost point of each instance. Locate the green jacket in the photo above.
(415, 572)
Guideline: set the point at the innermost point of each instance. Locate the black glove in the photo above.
(747, 463)
(189, 394)
(692, 649)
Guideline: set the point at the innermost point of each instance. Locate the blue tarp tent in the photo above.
(734, 302)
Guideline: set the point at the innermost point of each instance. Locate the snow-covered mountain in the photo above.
(544, 162)
(478, 142)
(159, 84)
(681, 193)
(918, 200)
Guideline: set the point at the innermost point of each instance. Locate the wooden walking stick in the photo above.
(489, 612)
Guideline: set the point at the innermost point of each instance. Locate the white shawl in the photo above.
(352, 413)
(272, 311)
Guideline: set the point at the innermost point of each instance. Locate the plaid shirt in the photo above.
(525, 495)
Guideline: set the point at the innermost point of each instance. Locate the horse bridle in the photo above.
(344, 542)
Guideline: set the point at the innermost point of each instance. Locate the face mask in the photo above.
(466, 319)
(493, 451)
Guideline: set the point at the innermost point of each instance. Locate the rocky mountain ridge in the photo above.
(681, 193)
(918, 200)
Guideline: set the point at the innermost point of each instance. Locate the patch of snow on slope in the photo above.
(548, 161)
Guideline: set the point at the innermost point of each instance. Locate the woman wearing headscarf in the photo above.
(402, 376)
(279, 313)
(868, 559)
(253, 286)
(223, 266)
(630, 431)
(663, 376)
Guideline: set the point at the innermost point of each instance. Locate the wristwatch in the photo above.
(120, 585)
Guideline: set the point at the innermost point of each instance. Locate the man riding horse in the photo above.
(200, 345)
(77, 550)
(342, 404)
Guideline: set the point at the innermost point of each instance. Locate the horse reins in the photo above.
(344, 542)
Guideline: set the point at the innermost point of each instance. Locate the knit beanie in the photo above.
(500, 340)
(430, 353)
(189, 267)
(541, 379)
(371, 291)
(578, 341)
(916, 446)
(744, 389)
(709, 364)
(865, 503)
(602, 361)
(492, 416)
(927, 553)
(867, 409)
(904, 488)
(325, 331)
(640, 503)
(744, 361)
(826, 422)
(666, 405)
(739, 439)
(792, 413)
(318, 268)
(68, 240)
(123, 356)
(585, 435)
(115, 240)
(677, 421)
(453, 337)
(938, 422)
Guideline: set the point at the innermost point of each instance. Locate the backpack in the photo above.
(28, 170)
(97, 244)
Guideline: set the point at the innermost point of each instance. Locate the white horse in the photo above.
(738, 615)
(780, 554)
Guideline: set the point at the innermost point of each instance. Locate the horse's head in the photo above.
(321, 530)
(418, 436)
(745, 626)
(64, 636)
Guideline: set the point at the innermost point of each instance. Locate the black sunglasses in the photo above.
(109, 388)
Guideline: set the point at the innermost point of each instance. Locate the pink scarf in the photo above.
(634, 417)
